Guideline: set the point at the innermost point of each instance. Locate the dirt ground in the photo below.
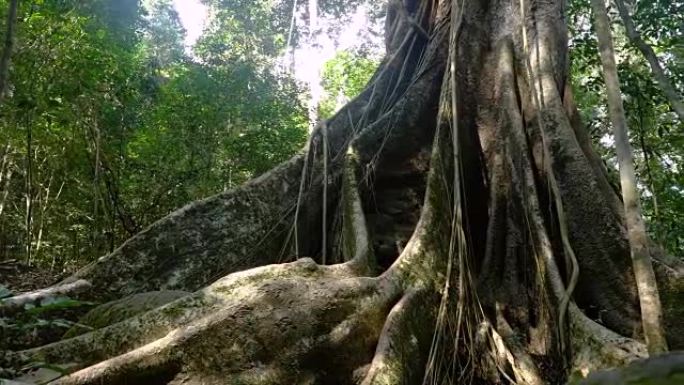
(19, 277)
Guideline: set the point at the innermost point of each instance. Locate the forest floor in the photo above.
(18, 277)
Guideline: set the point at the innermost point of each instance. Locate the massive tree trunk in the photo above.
(474, 236)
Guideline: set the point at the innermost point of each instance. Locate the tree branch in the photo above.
(664, 83)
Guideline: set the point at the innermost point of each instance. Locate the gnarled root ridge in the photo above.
(251, 328)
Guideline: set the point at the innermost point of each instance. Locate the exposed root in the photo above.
(596, 347)
(203, 241)
(130, 334)
(355, 243)
(404, 343)
(11, 305)
(267, 319)
(524, 368)
(324, 321)
(116, 311)
(666, 369)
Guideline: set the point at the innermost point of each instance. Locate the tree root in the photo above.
(12, 305)
(666, 369)
(524, 367)
(246, 308)
(289, 323)
(202, 241)
(596, 347)
(276, 317)
(267, 320)
(404, 343)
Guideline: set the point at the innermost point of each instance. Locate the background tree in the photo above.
(649, 300)
(8, 47)
(656, 135)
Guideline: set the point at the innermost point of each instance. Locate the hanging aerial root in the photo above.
(355, 240)
(507, 344)
(406, 127)
(592, 345)
(513, 279)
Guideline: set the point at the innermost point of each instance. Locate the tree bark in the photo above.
(649, 299)
(8, 47)
(6, 176)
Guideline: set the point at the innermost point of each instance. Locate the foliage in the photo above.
(344, 77)
(655, 132)
(243, 31)
(111, 124)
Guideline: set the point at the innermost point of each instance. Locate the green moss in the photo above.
(117, 311)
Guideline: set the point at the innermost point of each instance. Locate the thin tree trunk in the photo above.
(118, 206)
(103, 171)
(44, 206)
(9, 45)
(29, 202)
(664, 83)
(5, 161)
(293, 22)
(96, 181)
(647, 161)
(651, 310)
(5, 190)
